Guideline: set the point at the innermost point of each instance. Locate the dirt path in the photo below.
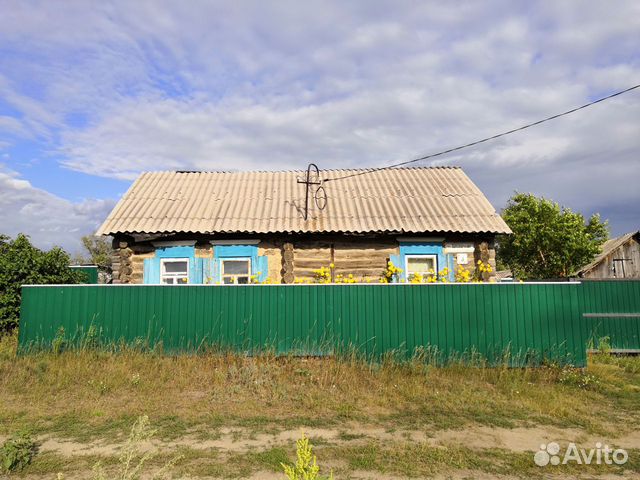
(227, 442)
(239, 440)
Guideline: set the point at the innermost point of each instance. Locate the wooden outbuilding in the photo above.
(620, 258)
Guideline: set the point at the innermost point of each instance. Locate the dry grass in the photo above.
(95, 395)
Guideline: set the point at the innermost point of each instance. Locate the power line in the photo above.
(477, 142)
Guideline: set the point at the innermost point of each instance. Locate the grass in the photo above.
(417, 459)
(93, 397)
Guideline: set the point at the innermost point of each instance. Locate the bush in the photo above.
(21, 263)
(16, 453)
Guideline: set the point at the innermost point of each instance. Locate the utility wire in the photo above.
(477, 142)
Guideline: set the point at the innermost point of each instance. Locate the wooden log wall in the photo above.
(140, 252)
(273, 251)
(287, 263)
(297, 259)
(365, 259)
(487, 253)
(121, 262)
(309, 256)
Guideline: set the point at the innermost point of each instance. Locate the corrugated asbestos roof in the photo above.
(404, 200)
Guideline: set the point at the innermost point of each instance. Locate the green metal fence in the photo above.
(530, 321)
(610, 311)
(90, 272)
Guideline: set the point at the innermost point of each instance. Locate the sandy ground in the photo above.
(239, 440)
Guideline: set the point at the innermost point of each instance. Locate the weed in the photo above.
(100, 386)
(578, 378)
(604, 345)
(135, 379)
(132, 460)
(17, 452)
(91, 340)
(306, 467)
(59, 342)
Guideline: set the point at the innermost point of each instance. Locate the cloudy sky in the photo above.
(92, 93)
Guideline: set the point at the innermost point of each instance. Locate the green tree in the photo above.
(20, 264)
(548, 241)
(98, 252)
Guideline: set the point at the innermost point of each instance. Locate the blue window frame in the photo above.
(235, 270)
(422, 264)
(432, 251)
(156, 271)
(174, 271)
(205, 270)
(234, 255)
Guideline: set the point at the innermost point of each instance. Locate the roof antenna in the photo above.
(319, 195)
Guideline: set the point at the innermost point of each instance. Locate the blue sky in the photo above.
(91, 94)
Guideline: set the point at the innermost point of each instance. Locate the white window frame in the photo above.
(164, 275)
(418, 255)
(235, 277)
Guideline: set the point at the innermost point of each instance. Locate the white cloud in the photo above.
(49, 220)
(248, 85)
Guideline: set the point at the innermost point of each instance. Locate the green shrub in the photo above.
(16, 453)
(23, 264)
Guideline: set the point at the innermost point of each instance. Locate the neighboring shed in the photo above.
(620, 258)
(227, 227)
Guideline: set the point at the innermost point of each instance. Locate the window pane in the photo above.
(175, 267)
(167, 281)
(420, 264)
(243, 280)
(236, 267)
